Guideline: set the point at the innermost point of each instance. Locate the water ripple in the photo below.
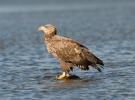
(27, 71)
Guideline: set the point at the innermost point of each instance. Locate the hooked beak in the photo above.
(41, 28)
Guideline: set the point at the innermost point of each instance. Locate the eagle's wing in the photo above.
(70, 50)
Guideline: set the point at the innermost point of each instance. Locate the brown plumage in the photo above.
(69, 52)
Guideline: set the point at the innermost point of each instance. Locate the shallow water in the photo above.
(27, 71)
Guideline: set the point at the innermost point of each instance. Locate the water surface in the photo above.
(27, 71)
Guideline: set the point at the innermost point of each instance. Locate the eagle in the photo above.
(69, 52)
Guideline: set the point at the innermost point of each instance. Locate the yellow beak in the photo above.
(41, 28)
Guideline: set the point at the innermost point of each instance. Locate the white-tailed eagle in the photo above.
(69, 52)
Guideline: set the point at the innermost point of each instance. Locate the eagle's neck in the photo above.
(50, 34)
(49, 37)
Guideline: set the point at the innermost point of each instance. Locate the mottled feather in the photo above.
(68, 51)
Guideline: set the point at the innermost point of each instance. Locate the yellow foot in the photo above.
(66, 76)
(63, 76)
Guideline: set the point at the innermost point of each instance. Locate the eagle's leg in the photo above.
(64, 75)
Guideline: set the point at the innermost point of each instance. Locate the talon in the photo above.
(59, 77)
(64, 75)
(68, 75)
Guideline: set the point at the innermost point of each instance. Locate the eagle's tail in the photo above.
(96, 67)
(100, 62)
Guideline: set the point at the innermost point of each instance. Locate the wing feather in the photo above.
(71, 51)
(66, 49)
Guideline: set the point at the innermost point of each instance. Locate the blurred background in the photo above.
(106, 27)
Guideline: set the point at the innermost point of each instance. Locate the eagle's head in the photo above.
(48, 29)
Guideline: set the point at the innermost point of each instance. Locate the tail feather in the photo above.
(100, 62)
(96, 67)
